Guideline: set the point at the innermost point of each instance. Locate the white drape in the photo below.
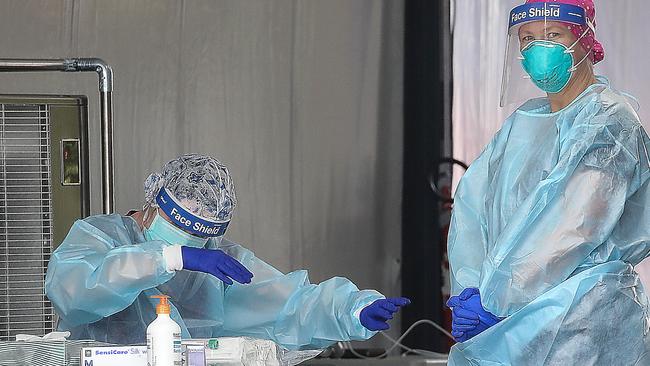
(480, 30)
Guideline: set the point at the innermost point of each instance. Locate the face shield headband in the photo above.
(550, 12)
(549, 64)
(187, 221)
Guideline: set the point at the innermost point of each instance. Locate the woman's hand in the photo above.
(376, 315)
(469, 318)
(216, 263)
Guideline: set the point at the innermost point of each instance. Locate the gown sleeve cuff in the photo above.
(369, 296)
(173, 258)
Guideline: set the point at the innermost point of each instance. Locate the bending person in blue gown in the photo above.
(101, 278)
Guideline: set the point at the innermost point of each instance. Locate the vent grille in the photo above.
(25, 220)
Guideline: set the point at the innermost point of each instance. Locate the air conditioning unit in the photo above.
(44, 188)
(44, 185)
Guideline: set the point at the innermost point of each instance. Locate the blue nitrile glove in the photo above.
(376, 315)
(468, 316)
(216, 263)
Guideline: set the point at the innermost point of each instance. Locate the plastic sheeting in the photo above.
(480, 31)
(243, 351)
(300, 99)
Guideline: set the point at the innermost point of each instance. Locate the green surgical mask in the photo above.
(161, 229)
(549, 64)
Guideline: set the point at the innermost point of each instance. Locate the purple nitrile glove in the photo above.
(469, 318)
(376, 315)
(216, 263)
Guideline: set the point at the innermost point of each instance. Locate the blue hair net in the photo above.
(200, 183)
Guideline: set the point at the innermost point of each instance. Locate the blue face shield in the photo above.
(538, 50)
(161, 229)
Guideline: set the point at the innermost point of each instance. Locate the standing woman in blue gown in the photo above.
(550, 220)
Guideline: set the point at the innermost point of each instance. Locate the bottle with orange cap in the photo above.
(163, 337)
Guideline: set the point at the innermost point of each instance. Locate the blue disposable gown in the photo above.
(548, 223)
(101, 277)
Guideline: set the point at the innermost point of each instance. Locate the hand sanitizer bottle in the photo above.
(163, 337)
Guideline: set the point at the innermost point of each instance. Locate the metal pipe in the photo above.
(105, 74)
(18, 65)
(106, 103)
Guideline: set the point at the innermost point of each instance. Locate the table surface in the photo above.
(389, 361)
